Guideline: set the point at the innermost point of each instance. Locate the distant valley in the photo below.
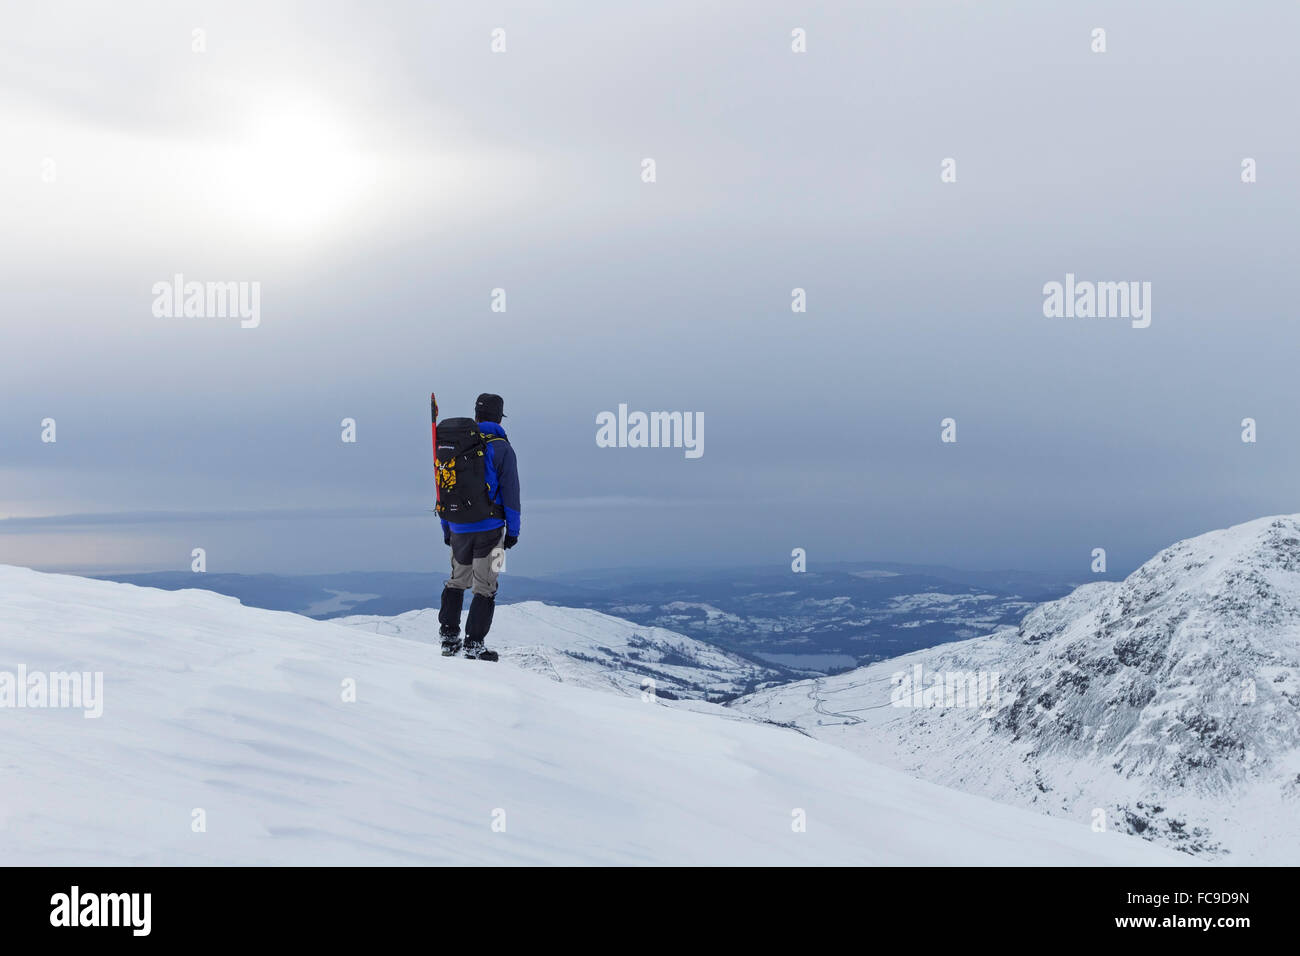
(817, 622)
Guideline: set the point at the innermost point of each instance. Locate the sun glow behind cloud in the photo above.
(297, 170)
(256, 174)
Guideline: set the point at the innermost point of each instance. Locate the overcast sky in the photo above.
(380, 174)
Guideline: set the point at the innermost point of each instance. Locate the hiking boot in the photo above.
(476, 651)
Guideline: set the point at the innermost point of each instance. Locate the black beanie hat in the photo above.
(489, 408)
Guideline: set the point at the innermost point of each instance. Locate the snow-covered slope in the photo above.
(241, 715)
(591, 649)
(1170, 700)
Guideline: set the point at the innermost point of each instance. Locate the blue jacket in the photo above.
(503, 484)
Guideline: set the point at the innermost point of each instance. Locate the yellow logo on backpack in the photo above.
(446, 472)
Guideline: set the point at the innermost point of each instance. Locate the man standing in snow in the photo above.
(477, 548)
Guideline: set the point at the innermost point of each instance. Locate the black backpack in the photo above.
(461, 469)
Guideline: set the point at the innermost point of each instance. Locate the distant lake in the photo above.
(811, 662)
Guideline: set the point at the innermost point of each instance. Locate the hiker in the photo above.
(476, 545)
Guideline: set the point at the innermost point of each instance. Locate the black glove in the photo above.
(446, 538)
(511, 541)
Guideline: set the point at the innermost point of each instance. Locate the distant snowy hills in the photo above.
(1170, 701)
(590, 649)
(827, 618)
(235, 735)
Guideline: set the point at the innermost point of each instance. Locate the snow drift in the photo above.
(239, 718)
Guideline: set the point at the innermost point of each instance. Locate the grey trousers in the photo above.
(476, 561)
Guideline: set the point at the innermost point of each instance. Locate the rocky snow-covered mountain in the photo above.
(1169, 702)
